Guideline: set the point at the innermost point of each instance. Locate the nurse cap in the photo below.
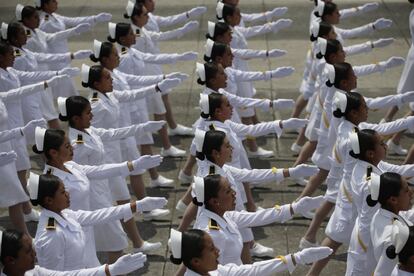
(61, 101)
(198, 187)
(204, 104)
(4, 28)
(40, 137)
(33, 186)
(201, 71)
(97, 48)
(176, 243)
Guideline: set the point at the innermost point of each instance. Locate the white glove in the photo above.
(194, 12)
(392, 62)
(71, 71)
(7, 157)
(283, 104)
(382, 23)
(81, 28)
(280, 24)
(189, 26)
(82, 54)
(127, 264)
(278, 11)
(407, 97)
(56, 80)
(382, 42)
(147, 162)
(303, 170)
(103, 17)
(152, 126)
(280, 72)
(276, 53)
(29, 129)
(368, 7)
(306, 204)
(150, 203)
(294, 123)
(166, 85)
(311, 255)
(177, 75)
(187, 56)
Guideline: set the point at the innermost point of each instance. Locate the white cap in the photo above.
(399, 236)
(374, 186)
(38, 3)
(204, 104)
(209, 47)
(199, 188)
(4, 28)
(219, 9)
(40, 137)
(211, 27)
(85, 73)
(314, 28)
(61, 101)
(201, 71)
(199, 139)
(1, 239)
(320, 7)
(340, 101)
(112, 30)
(19, 9)
(353, 138)
(33, 186)
(130, 7)
(322, 44)
(330, 71)
(176, 240)
(96, 48)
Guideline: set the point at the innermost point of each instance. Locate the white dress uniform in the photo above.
(225, 231)
(77, 184)
(11, 79)
(135, 62)
(40, 41)
(11, 183)
(406, 82)
(359, 261)
(40, 271)
(26, 60)
(342, 221)
(262, 268)
(398, 272)
(88, 149)
(61, 242)
(381, 230)
(107, 114)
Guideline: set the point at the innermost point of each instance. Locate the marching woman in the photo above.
(39, 41)
(88, 149)
(231, 15)
(394, 196)
(52, 22)
(134, 62)
(18, 257)
(148, 42)
(107, 55)
(61, 241)
(197, 251)
(402, 240)
(220, 217)
(26, 60)
(369, 149)
(16, 199)
(12, 79)
(214, 151)
(58, 152)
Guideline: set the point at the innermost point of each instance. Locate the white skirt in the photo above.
(10, 182)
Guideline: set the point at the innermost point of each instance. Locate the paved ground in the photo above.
(284, 238)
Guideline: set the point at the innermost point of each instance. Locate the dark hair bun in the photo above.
(206, 58)
(390, 251)
(126, 16)
(329, 83)
(200, 155)
(195, 201)
(93, 58)
(371, 202)
(338, 113)
(200, 82)
(110, 39)
(35, 150)
(63, 118)
(353, 154)
(84, 84)
(319, 56)
(313, 38)
(175, 260)
(204, 115)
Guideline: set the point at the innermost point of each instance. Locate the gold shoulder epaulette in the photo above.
(212, 170)
(95, 97)
(369, 171)
(212, 127)
(17, 53)
(213, 225)
(137, 32)
(49, 171)
(28, 33)
(80, 139)
(124, 50)
(51, 225)
(46, 17)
